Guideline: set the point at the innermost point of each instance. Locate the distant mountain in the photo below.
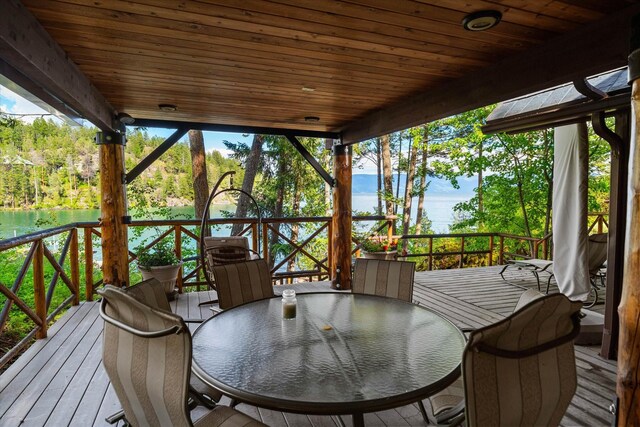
(368, 183)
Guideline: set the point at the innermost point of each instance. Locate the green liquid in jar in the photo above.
(288, 311)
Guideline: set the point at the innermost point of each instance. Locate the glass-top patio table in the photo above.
(343, 354)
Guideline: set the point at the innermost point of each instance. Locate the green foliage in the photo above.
(62, 167)
(160, 254)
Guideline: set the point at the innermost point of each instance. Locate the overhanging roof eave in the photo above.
(557, 115)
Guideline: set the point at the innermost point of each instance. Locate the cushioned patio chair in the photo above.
(242, 282)
(221, 251)
(597, 247)
(519, 371)
(151, 293)
(226, 250)
(384, 278)
(147, 356)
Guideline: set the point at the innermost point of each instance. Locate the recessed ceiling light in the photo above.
(308, 89)
(312, 119)
(167, 107)
(481, 20)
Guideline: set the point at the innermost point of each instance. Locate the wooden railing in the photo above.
(39, 260)
(49, 266)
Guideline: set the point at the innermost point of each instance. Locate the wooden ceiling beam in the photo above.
(27, 47)
(593, 48)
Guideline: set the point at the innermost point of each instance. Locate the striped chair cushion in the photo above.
(151, 293)
(528, 390)
(149, 375)
(242, 282)
(384, 278)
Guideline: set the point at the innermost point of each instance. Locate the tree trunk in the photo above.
(408, 191)
(277, 211)
(423, 182)
(327, 188)
(480, 201)
(198, 172)
(388, 178)
(395, 210)
(295, 211)
(379, 167)
(548, 177)
(250, 172)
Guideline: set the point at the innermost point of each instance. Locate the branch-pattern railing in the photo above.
(437, 251)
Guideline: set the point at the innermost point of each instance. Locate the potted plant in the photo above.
(160, 262)
(378, 248)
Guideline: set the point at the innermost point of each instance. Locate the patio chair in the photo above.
(224, 250)
(154, 391)
(596, 258)
(384, 278)
(242, 282)
(150, 292)
(526, 362)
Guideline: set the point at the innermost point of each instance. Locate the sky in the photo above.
(13, 103)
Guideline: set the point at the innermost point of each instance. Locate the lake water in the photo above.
(15, 223)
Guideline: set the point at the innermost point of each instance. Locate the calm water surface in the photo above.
(15, 223)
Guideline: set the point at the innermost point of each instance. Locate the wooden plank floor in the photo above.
(60, 381)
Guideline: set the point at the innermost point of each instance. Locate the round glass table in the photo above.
(343, 354)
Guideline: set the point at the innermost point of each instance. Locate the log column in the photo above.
(341, 220)
(628, 388)
(115, 265)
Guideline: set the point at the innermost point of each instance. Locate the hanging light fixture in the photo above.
(481, 20)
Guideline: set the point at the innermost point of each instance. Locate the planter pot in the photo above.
(167, 275)
(389, 255)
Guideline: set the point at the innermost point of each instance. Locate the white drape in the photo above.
(570, 184)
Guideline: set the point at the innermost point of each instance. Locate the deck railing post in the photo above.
(461, 262)
(177, 229)
(265, 241)
(39, 293)
(330, 246)
(490, 250)
(88, 264)
(75, 266)
(430, 253)
(254, 236)
(501, 254)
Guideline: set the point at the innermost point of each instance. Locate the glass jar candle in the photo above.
(289, 304)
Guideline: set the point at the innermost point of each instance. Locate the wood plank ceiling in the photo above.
(273, 63)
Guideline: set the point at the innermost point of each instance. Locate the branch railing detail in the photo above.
(52, 268)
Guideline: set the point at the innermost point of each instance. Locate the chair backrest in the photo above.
(151, 293)
(597, 249)
(384, 278)
(147, 355)
(521, 370)
(242, 282)
(217, 241)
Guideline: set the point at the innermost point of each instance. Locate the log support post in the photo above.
(341, 220)
(628, 386)
(115, 263)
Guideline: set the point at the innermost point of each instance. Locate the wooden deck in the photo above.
(60, 381)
